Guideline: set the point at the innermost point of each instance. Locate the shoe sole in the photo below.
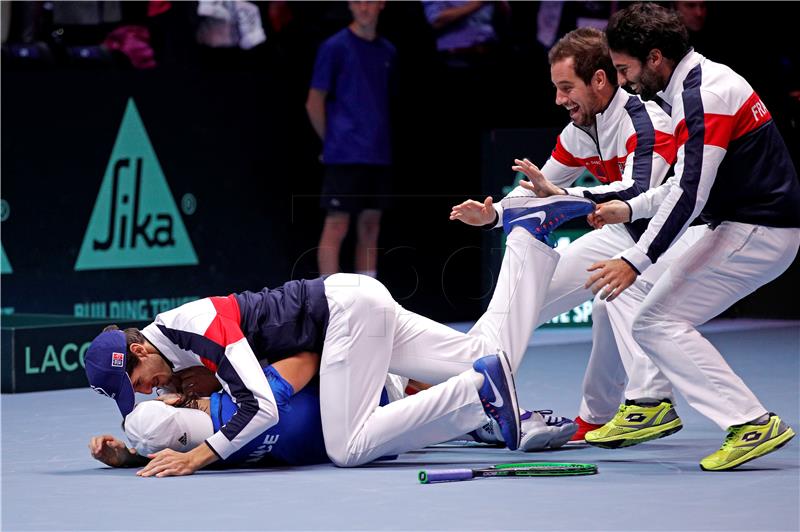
(639, 436)
(761, 450)
(513, 395)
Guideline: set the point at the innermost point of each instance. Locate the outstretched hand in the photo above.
(111, 451)
(611, 277)
(538, 183)
(169, 463)
(473, 212)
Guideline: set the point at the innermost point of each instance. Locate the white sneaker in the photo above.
(542, 430)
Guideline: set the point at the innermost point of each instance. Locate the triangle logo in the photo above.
(135, 222)
(5, 265)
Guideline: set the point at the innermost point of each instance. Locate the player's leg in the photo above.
(566, 289)
(353, 370)
(648, 411)
(604, 378)
(722, 267)
(431, 352)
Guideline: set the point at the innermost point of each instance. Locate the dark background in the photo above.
(229, 126)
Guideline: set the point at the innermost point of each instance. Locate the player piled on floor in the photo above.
(734, 171)
(627, 144)
(180, 423)
(350, 328)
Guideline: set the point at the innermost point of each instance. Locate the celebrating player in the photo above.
(361, 334)
(734, 171)
(627, 145)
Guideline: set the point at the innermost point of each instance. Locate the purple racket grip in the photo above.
(444, 475)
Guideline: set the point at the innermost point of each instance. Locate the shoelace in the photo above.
(550, 419)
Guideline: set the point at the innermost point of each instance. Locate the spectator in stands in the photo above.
(465, 32)
(348, 105)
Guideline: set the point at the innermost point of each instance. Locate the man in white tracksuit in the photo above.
(734, 171)
(628, 146)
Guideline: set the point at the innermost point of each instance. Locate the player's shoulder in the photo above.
(184, 316)
(723, 87)
(659, 118)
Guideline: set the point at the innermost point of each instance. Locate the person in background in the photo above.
(348, 105)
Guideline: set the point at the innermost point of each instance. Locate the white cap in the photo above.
(154, 426)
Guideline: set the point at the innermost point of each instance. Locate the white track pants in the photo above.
(369, 335)
(615, 357)
(725, 265)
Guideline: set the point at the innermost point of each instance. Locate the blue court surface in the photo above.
(49, 481)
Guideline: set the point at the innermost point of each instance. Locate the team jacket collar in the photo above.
(675, 86)
(615, 110)
(165, 347)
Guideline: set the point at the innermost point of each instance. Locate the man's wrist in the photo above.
(493, 223)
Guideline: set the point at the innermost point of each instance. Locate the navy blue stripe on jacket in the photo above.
(694, 115)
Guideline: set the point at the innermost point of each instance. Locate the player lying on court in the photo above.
(350, 327)
(628, 145)
(173, 422)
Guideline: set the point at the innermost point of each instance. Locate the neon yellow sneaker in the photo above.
(636, 424)
(747, 442)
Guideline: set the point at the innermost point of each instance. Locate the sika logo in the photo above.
(135, 222)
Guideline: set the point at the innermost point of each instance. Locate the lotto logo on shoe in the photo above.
(751, 436)
(117, 360)
(636, 418)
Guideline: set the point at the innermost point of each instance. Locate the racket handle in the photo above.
(444, 475)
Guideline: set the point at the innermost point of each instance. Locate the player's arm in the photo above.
(242, 377)
(702, 146)
(299, 369)
(113, 452)
(560, 170)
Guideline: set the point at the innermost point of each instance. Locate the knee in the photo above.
(343, 460)
(646, 326)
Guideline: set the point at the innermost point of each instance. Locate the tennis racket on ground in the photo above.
(524, 469)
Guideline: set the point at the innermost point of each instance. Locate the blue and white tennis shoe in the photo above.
(540, 216)
(499, 396)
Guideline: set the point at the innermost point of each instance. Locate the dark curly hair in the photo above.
(132, 336)
(642, 27)
(589, 49)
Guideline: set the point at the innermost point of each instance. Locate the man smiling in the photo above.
(734, 172)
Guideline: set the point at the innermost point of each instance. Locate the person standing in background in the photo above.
(348, 105)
